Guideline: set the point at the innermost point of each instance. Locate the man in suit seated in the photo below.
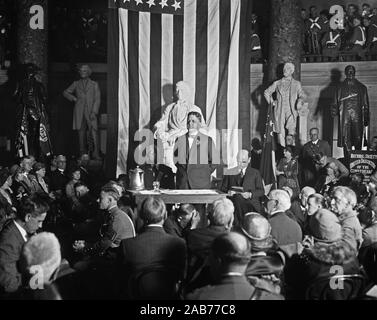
(285, 230)
(299, 206)
(182, 220)
(59, 178)
(15, 233)
(248, 183)
(309, 150)
(152, 248)
(199, 241)
(230, 255)
(26, 165)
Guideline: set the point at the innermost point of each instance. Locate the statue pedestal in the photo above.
(303, 113)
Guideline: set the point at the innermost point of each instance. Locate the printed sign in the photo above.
(364, 162)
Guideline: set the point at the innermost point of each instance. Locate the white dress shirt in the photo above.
(22, 231)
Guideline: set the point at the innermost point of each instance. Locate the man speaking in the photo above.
(195, 156)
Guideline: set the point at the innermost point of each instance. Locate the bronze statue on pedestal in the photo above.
(351, 103)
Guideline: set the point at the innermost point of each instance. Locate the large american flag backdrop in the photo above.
(153, 44)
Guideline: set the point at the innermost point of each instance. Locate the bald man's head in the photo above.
(243, 158)
(232, 248)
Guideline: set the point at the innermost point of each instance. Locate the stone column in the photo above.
(32, 34)
(285, 46)
(285, 37)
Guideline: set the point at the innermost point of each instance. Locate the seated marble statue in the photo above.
(173, 122)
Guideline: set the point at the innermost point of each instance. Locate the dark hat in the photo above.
(325, 226)
(38, 166)
(258, 230)
(13, 169)
(4, 175)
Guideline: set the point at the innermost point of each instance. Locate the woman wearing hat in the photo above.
(287, 171)
(328, 255)
(328, 181)
(38, 180)
(266, 264)
(19, 187)
(75, 176)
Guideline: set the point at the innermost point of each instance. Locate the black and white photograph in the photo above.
(187, 155)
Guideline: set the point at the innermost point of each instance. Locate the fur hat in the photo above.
(325, 226)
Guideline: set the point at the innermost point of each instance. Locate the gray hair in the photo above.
(43, 250)
(348, 194)
(222, 212)
(307, 190)
(282, 198)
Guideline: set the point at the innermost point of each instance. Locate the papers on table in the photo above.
(178, 192)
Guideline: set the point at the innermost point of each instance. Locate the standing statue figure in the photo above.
(289, 99)
(32, 136)
(173, 122)
(87, 97)
(351, 103)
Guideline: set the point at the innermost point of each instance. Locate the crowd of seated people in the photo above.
(76, 236)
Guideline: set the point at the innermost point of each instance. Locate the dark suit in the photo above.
(251, 182)
(199, 243)
(173, 227)
(160, 173)
(309, 150)
(284, 229)
(299, 214)
(195, 165)
(231, 288)
(11, 243)
(58, 180)
(153, 247)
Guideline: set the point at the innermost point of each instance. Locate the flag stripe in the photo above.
(113, 107)
(189, 45)
(167, 61)
(224, 36)
(178, 49)
(144, 69)
(123, 85)
(213, 50)
(156, 68)
(244, 60)
(201, 56)
(133, 67)
(233, 83)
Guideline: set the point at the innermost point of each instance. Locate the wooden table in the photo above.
(179, 196)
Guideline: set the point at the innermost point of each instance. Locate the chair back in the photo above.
(338, 287)
(155, 282)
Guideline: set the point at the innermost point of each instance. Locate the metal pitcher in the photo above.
(136, 177)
